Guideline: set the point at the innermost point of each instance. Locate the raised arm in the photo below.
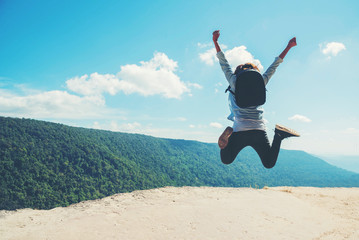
(278, 60)
(291, 44)
(226, 68)
(215, 40)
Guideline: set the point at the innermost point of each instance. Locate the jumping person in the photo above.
(249, 127)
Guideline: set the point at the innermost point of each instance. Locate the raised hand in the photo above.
(215, 36)
(292, 42)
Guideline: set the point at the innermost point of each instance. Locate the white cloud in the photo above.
(240, 55)
(195, 85)
(300, 118)
(204, 45)
(208, 57)
(134, 127)
(53, 104)
(181, 119)
(235, 56)
(157, 76)
(332, 48)
(351, 131)
(127, 127)
(216, 125)
(95, 84)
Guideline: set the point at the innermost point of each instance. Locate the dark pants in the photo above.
(258, 140)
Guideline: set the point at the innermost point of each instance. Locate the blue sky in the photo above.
(149, 67)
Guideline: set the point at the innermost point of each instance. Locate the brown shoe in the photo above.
(285, 132)
(223, 139)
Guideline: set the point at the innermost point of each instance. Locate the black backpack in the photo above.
(250, 89)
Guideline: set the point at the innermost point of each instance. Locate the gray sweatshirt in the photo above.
(250, 118)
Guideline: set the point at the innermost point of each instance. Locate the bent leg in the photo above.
(267, 153)
(236, 143)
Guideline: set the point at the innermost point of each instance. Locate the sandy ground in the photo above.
(196, 213)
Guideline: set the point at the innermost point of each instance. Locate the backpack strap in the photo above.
(237, 75)
(229, 89)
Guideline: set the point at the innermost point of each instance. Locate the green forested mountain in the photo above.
(44, 165)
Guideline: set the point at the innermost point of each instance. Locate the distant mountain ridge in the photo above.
(45, 165)
(350, 163)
